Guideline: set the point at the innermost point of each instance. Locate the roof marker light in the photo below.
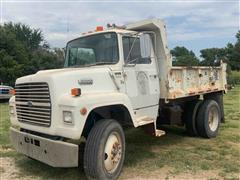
(99, 28)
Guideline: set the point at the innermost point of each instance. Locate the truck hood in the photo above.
(61, 81)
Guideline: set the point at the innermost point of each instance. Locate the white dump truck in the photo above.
(113, 79)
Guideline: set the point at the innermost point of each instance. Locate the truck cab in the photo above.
(112, 79)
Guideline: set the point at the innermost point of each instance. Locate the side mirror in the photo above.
(145, 46)
(141, 50)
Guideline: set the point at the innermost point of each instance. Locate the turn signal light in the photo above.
(13, 91)
(83, 111)
(99, 28)
(76, 92)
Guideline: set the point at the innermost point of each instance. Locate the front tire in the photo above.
(104, 150)
(208, 119)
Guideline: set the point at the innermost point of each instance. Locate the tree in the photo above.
(213, 56)
(13, 56)
(230, 55)
(183, 57)
(44, 59)
(30, 38)
(24, 51)
(233, 53)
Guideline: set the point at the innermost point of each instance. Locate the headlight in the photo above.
(11, 109)
(67, 117)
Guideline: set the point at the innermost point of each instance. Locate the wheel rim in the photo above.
(213, 118)
(113, 152)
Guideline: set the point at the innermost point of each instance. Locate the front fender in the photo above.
(89, 101)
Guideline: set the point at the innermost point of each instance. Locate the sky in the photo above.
(195, 24)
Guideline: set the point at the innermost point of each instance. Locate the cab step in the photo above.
(151, 130)
(159, 132)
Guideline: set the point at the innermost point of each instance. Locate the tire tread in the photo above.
(190, 116)
(201, 118)
(92, 147)
(93, 139)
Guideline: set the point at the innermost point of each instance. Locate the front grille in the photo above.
(33, 103)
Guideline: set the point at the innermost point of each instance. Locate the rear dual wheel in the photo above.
(190, 114)
(202, 118)
(208, 119)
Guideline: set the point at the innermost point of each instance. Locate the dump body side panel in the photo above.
(191, 81)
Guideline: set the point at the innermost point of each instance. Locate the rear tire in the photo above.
(218, 97)
(190, 113)
(208, 119)
(104, 150)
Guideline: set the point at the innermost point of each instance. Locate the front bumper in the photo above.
(5, 96)
(52, 152)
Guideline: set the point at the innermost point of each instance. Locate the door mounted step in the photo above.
(151, 130)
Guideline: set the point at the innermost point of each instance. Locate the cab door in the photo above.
(141, 75)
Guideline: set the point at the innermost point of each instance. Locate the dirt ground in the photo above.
(9, 171)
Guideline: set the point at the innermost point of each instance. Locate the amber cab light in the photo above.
(13, 91)
(99, 28)
(75, 91)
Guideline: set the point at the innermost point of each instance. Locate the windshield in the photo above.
(92, 50)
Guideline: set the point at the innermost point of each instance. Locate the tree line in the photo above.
(24, 51)
(210, 56)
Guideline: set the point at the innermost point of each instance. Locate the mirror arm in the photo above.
(130, 49)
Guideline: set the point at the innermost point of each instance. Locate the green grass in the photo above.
(235, 74)
(146, 155)
(4, 125)
(234, 78)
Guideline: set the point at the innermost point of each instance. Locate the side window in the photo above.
(126, 47)
(132, 45)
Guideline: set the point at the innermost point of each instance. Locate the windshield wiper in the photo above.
(101, 63)
(79, 65)
(93, 64)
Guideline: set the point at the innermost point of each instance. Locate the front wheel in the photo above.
(208, 119)
(104, 150)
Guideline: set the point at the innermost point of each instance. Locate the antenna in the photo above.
(1, 12)
(68, 27)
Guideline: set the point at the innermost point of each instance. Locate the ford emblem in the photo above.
(30, 103)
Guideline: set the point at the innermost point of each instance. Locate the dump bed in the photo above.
(178, 82)
(189, 81)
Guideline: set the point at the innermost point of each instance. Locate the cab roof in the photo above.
(116, 30)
